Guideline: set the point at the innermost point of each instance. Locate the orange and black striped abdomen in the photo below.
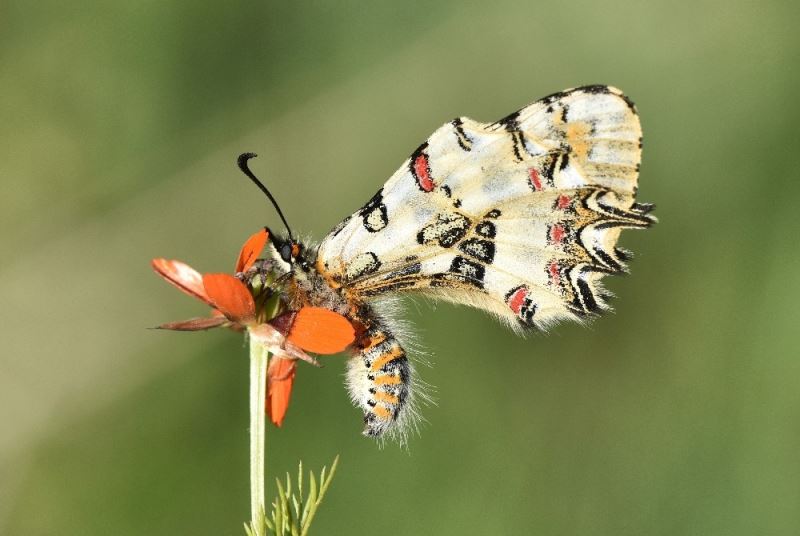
(378, 379)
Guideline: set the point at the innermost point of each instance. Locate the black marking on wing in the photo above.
(374, 213)
(527, 311)
(463, 140)
(494, 213)
(469, 270)
(606, 259)
(486, 229)
(462, 271)
(623, 254)
(587, 297)
(447, 230)
(625, 224)
(477, 248)
(411, 269)
(564, 160)
(368, 262)
(549, 166)
(643, 208)
(553, 97)
(511, 124)
(599, 89)
(402, 272)
(639, 219)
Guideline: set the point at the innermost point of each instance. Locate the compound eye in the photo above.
(286, 252)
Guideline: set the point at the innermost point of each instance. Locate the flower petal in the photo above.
(280, 379)
(230, 296)
(250, 250)
(182, 276)
(195, 324)
(321, 331)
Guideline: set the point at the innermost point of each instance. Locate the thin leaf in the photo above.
(300, 480)
(296, 505)
(280, 522)
(330, 478)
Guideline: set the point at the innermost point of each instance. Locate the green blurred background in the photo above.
(121, 122)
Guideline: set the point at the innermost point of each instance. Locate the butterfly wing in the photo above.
(519, 217)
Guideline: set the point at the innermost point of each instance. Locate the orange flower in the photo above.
(238, 303)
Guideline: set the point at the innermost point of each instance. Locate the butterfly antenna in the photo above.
(242, 162)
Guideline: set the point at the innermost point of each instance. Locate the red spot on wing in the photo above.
(231, 297)
(423, 172)
(321, 331)
(564, 201)
(552, 269)
(250, 250)
(516, 300)
(280, 379)
(182, 276)
(536, 180)
(557, 233)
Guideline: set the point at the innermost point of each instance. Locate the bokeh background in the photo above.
(120, 125)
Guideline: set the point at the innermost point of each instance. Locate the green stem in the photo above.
(259, 358)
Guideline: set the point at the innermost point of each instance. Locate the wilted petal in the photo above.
(195, 324)
(182, 276)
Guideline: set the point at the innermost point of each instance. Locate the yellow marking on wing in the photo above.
(577, 137)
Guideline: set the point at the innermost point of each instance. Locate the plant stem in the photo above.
(259, 358)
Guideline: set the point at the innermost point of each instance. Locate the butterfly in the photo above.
(519, 218)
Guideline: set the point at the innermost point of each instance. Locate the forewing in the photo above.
(518, 217)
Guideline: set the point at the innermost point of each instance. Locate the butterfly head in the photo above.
(291, 252)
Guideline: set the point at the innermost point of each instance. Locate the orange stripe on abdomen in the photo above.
(378, 379)
(383, 396)
(391, 355)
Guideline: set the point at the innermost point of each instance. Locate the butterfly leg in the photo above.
(378, 379)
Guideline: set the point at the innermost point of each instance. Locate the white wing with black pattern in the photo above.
(520, 217)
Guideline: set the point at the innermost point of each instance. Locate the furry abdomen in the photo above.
(378, 378)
